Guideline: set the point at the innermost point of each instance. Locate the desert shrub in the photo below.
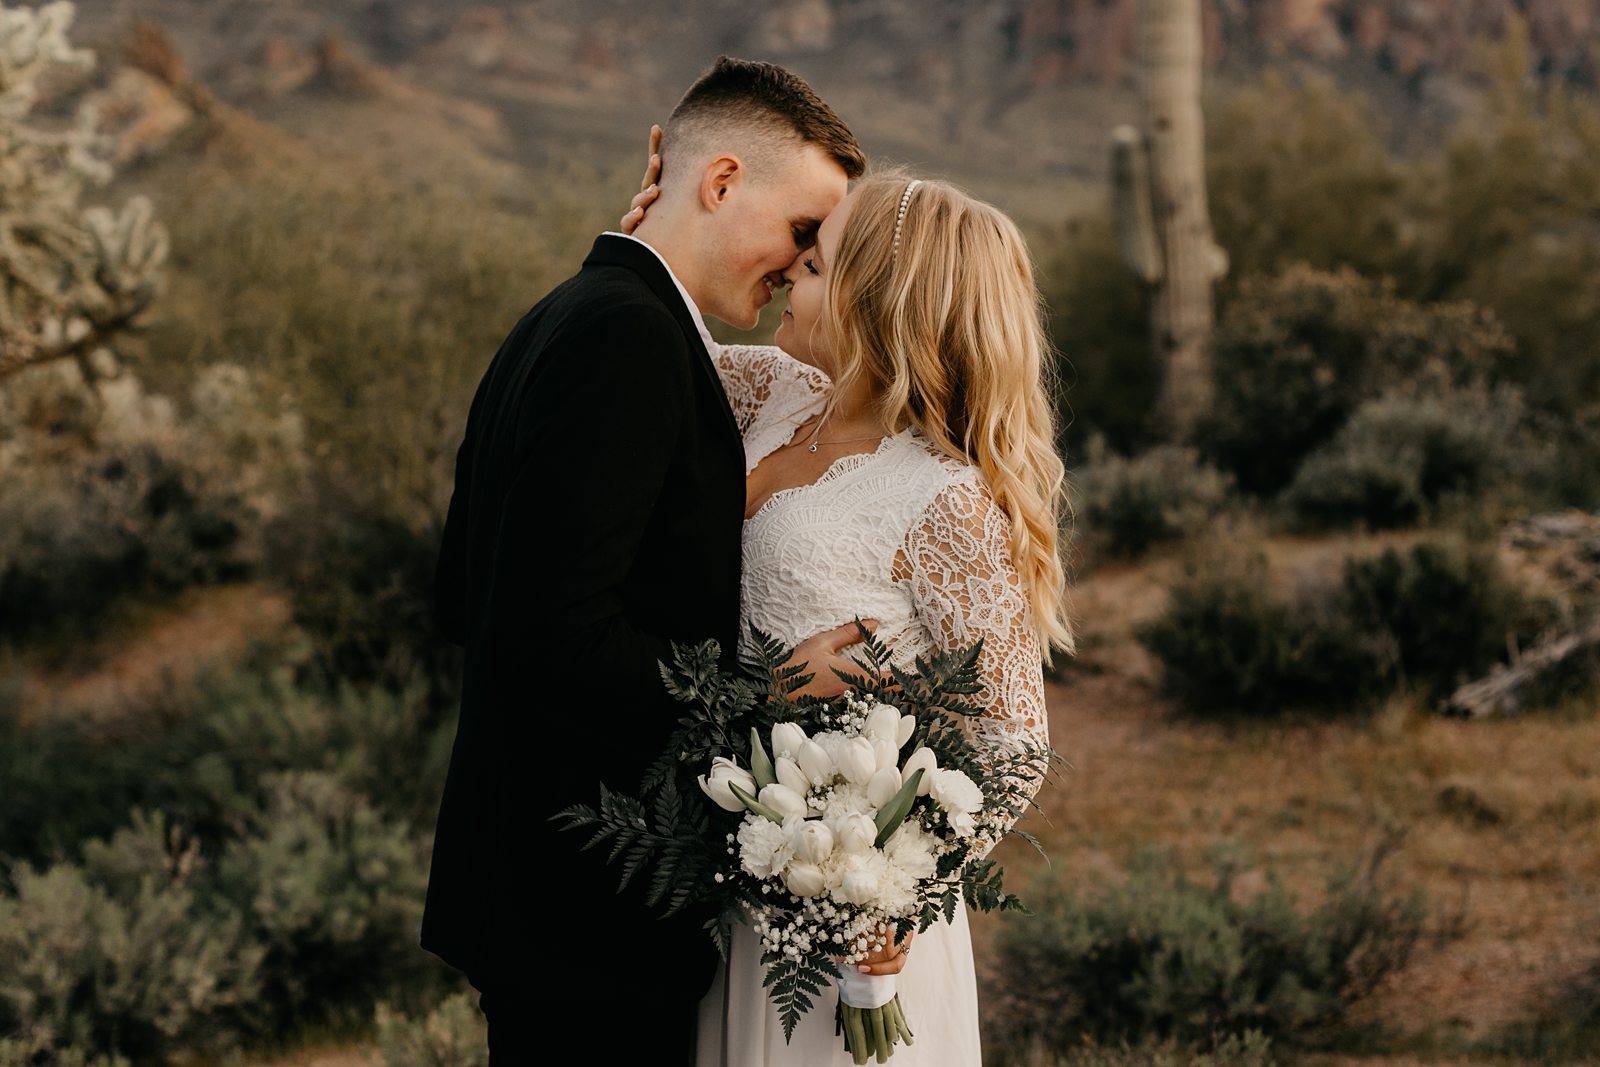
(333, 892)
(1099, 324)
(1297, 353)
(1161, 956)
(200, 756)
(1251, 1049)
(1227, 643)
(121, 954)
(111, 493)
(359, 576)
(1298, 172)
(1504, 217)
(454, 1034)
(1129, 504)
(128, 521)
(1400, 455)
(1440, 612)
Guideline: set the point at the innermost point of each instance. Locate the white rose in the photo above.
(962, 823)
(803, 879)
(790, 774)
(787, 737)
(855, 833)
(764, 846)
(882, 722)
(922, 760)
(813, 842)
(857, 761)
(954, 791)
(859, 887)
(783, 800)
(815, 761)
(715, 785)
(884, 785)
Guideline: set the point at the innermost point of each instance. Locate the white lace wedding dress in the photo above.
(913, 538)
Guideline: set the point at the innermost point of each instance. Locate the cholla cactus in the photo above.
(70, 277)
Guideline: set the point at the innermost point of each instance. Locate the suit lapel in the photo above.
(622, 252)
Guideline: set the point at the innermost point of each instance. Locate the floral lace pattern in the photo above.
(903, 534)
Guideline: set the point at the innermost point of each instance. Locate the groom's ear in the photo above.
(721, 176)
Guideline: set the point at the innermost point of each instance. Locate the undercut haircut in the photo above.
(764, 108)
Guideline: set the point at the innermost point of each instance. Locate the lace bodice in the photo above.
(903, 534)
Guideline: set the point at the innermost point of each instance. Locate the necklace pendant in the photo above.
(813, 448)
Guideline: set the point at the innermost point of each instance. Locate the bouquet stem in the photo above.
(872, 1033)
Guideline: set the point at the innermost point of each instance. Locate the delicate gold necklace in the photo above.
(847, 441)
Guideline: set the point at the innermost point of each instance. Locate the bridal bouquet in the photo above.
(830, 826)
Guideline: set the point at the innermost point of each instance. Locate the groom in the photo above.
(599, 499)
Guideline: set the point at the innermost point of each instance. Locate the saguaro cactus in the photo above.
(1159, 201)
(70, 277)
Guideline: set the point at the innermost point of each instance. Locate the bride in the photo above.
(900, 465)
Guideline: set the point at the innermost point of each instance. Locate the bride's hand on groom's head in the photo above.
(649, 188)
(826, 651)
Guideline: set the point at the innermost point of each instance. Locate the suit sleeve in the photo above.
(596, 433)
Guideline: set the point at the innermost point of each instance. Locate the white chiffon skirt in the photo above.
(739, 1026)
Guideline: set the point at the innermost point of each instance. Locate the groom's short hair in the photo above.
(766, 106)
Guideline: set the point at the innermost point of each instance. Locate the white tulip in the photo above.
(924, 760)
(715, 785)
(857, 760)
(885, 754)
(790, 774)
(787, 737)
(813, 842)
(908, 726)
(884, 785)
(882, 721)
(783, 800)
(815, 761)
(859, 887)
(803, 879)
(855, 832)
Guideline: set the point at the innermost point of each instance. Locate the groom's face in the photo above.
(762, 225)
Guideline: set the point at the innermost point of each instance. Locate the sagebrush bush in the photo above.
(108, 494)
(332, 891)
(1228, 643)
(200, 755)
(1428, 618)
(1298, 352)
(1442, 612)
(1401, 454)
(1160, 956)
(121, 953)
(453, 1034)
(1251, 1049)
(1125, 505)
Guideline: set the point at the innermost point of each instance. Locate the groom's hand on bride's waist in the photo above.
(824, 653)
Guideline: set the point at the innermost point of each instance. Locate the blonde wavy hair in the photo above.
(949, 332)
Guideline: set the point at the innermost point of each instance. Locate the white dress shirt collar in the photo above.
(712, 348)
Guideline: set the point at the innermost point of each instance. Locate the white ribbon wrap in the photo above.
(865, 990)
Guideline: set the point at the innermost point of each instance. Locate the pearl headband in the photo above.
(899, 220)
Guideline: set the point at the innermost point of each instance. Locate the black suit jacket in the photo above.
(597, 511)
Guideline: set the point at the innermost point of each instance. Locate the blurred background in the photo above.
(1334, 783)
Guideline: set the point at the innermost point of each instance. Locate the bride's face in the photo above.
(800, 329)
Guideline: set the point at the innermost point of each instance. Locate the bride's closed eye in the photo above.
(809, 266)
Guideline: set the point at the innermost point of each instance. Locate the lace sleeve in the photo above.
(964, 586)
(757, 377)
